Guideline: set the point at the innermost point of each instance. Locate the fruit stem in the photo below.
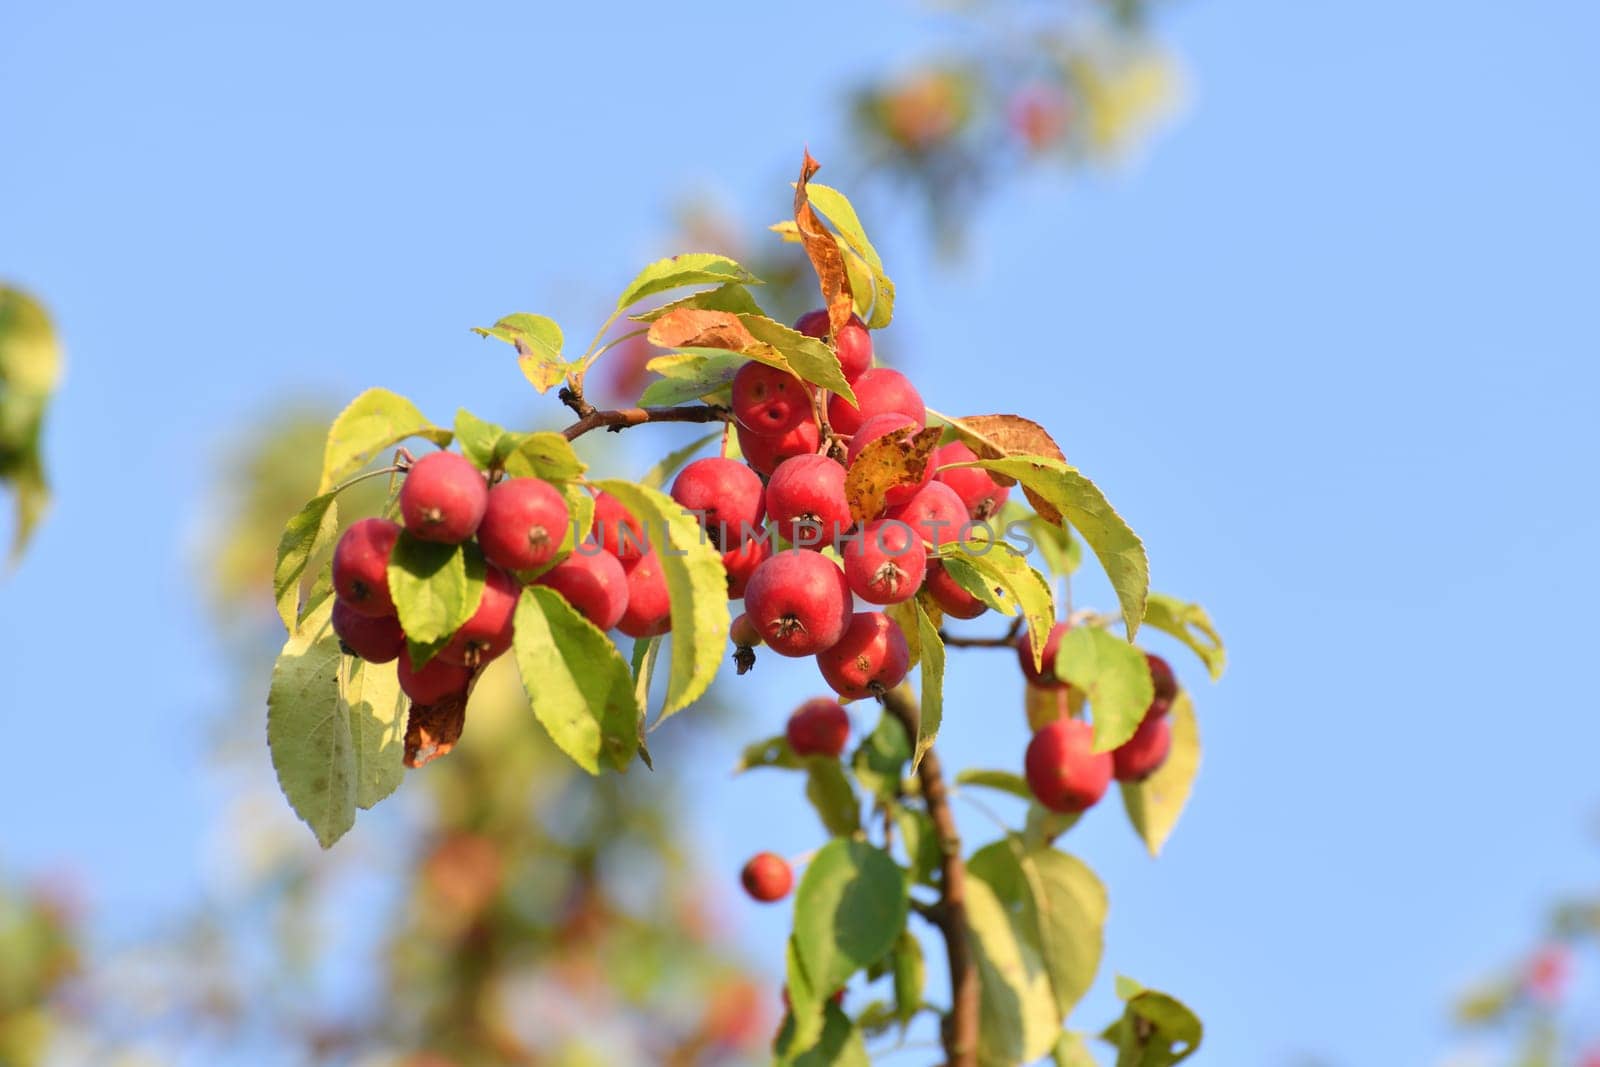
(960, 1029)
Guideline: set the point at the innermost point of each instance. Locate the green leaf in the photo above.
(1004, 781)
(579, 685)
(732, 297)
(773, 752)
(1052, 485)
(696, 583)
(932, 670)
(673, 462)
(920, 839)
(1060, 907)
(546, 455)
(1007, 584)
(693, 268)
(690, 375)
(1190, 624)
(838, 1044)
(374, 421)
(1060, 551)
(30, 355)
(1156, 1030)
(1154, 804)
(308, 732)
(646, 652)
(435, 588)
(831, 793)
(310, 532)
(377, 708)
(804, 1025)
(880, 759)
(1113, 675)
(832, 203)
(1070, 1051)
(484, 443)
(808, 357)
(538, 342)
(1017, 1019)
(910, 975)
(580, 519)
(848, 911)
(1043, 826)
(30, 369)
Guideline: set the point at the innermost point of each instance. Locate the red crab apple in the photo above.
(869, 660)
(896, 424)
(615, 528)
(741, 563)
(936, 513)
(768, 400)
(819, 727)
(763, 454)
(361, 566)
(443, 498)
(879, 391)
(951, 596)
(1046, 674)
(523, 525)
(854, 343)
(649, 610)
(488, 633)
(726, 496)
(799, 602)
(806, 501)
(744, 632)
(375, 638)
(1063, 771)
(980, 494)
(1164, 681)
(767, 877)
(885, 562)
(593, 582)
(1143, 754)
(434, 682)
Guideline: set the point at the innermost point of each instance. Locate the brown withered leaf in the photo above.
(433, 730)
(823, 250)
(701, 328)
(893, 459)
(999, 436)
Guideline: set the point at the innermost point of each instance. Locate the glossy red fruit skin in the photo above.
(767, 877)
(936, 514)
(769, 401)
(434, 682)
(1045, 676)
(443, 498)
(1063, 772)
(375, 638)
(819, 727)
(870, 659)
(879, 426)
(799, 602)
(806, 501)
(361, 566)
(1143, 754)
(726, 496)
(593, 582)
(523, 525)
(488, 633)
(879, 391)
(980, 494)
(741, 563)
(744, 632)
(949, 594)
(763, 454)
(616, 530)
(1164, 681)
(853, 345)
(649, 609)
(885, 563)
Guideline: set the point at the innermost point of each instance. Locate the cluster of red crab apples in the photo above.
(769, 515)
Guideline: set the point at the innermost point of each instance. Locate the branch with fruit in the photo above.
(855, 525)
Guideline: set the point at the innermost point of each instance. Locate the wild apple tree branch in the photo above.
(960, 1028)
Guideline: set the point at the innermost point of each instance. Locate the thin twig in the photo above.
(1005, 640)
(620, 419)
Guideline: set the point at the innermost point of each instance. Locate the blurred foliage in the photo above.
(30, 368)
(38, 954)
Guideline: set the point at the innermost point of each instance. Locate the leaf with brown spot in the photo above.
(823, 251)
(1001, 436)
(893, 459)
(433, 729)
(700, 328)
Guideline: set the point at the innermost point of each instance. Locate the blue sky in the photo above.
(1330, 348)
